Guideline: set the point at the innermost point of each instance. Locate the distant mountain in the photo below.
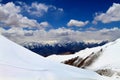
(59, 48)
(105, 59)
(18, 63)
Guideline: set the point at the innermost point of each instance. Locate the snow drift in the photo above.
(18, 63)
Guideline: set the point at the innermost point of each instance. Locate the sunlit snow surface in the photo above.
(109, 58)
(18, 63)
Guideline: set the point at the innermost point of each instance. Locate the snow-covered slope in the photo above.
(110, 56)
(83, 54)
(18, 63)
(103, 59)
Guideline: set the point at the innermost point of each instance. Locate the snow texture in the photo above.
(108, 61)
(18, 63)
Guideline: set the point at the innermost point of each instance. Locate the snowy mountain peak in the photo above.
(59, 48)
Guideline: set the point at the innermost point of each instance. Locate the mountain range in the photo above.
(59, 48)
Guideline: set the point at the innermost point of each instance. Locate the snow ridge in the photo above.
(103, 59)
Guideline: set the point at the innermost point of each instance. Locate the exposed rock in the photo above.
(84, 62)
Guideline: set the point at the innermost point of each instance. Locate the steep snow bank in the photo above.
(110, 57)
(18, 63)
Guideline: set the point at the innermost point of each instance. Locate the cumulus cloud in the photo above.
(91, 29)
(60, 9)
(44, 24)
(77, 23)
(60, 35)
(10, 16)
(112, 14)
(38, 9)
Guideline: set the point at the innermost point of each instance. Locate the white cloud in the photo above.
(77, 23)
(60, 35)
(44, 24)
(91, 29)
(112, 14)
(60, 9)
(10, 16)
(37, 9)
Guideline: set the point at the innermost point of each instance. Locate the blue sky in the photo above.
(81, 10)
(63, 17)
